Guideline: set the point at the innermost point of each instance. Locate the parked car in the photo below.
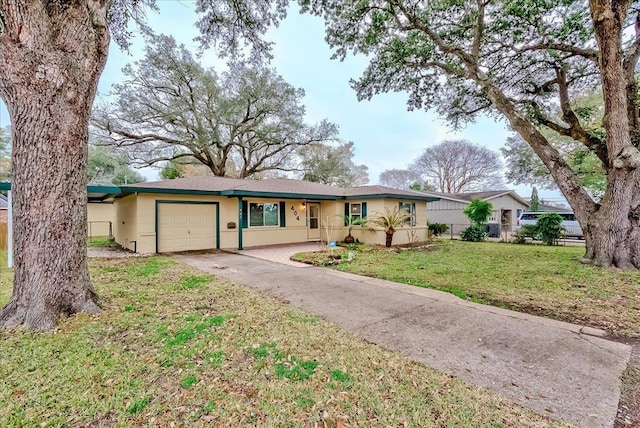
(569, 223)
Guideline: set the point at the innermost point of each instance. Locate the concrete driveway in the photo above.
(561, 370)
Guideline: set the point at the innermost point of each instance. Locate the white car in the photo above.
(569, 223)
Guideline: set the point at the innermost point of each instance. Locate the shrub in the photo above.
(526, 231)
(437, 229)
(474, 233)
(549, 228)
(479, 211)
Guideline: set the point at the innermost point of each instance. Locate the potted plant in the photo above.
(351, 221)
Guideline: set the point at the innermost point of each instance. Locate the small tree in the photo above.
(534, 204)
(389, 221)
(478, 212)
(549, 228)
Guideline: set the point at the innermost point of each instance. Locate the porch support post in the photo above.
(240, 226)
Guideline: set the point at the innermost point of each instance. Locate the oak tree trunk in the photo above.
(613, 228)
(52, 55)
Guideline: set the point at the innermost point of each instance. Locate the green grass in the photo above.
(101, 241)
(219, 355)
(548, 281)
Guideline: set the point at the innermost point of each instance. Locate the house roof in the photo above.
(3, 202)
(268, 188)
(271, 188)
(467, 197)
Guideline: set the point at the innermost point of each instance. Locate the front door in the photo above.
(313, 221)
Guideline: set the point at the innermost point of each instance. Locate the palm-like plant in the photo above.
(389, 221)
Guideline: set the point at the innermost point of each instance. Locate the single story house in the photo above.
(449, 209)
(216, 212)
(199, 213)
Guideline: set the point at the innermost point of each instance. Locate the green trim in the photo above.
(240, 222)
(392, 196)
(131, 190)
(283, 213)
(5, 185)
(113, 190)
(163, 201)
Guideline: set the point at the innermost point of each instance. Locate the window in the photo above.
(356, 211)
(411, 209)
(263, 214)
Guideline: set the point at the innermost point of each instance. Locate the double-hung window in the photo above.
(263, 214)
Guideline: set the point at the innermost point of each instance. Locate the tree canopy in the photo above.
(239, 123)
(333, 165)
(106, 167)
(525, 167)
(400, 179)
(459, 166)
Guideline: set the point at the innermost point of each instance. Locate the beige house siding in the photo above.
(140, 211)
(135, 221)
(3, 216)
(99, 217)
(124, 229)
(295, 229)
(403, 235)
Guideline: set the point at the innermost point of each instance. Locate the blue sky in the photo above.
(385, 134)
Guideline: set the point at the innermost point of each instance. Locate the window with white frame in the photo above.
(263, 214)
(356, 211)
(410, 207)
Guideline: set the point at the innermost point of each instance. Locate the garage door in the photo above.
(186, 226)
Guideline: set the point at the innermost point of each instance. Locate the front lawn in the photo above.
(176, 347)
(548, 281)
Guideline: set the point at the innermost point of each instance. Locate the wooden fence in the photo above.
(3, 236)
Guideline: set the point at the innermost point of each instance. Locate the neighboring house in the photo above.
(4, 206)
(507, 207)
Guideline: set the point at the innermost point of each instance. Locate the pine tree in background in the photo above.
(534, 204)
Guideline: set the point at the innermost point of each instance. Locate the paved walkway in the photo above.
(282, 253)
(561, 370)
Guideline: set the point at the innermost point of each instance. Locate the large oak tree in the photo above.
(238, 123)
(52, 53)
(520, 60)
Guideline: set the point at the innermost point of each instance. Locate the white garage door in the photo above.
(184, 227)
